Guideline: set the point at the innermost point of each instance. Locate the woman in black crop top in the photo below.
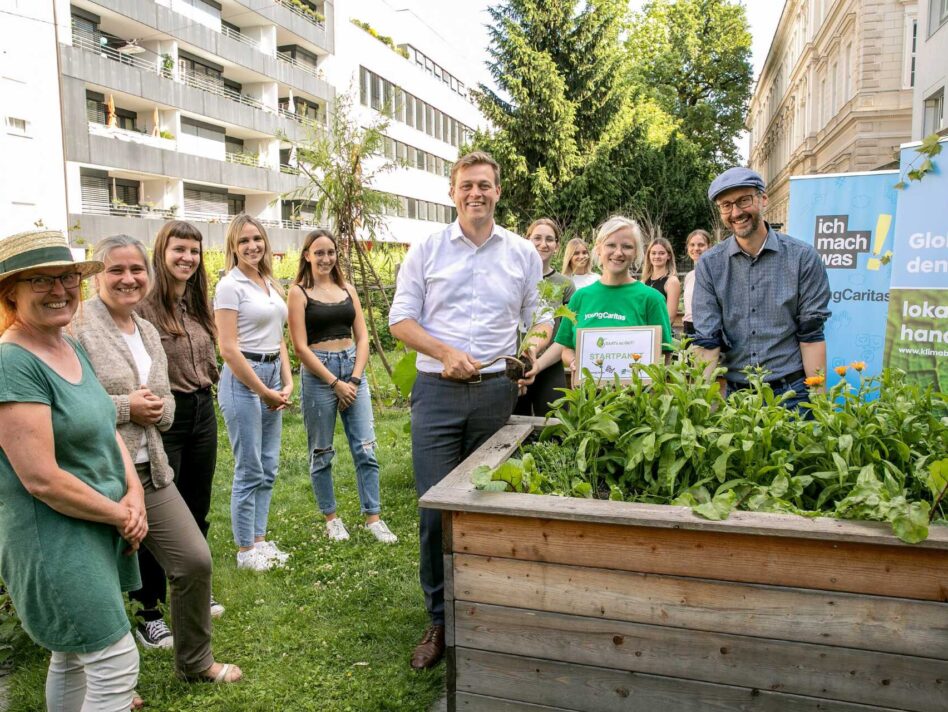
(328, 330)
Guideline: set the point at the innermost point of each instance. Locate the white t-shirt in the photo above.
(143, 364)
(584, 280)
(260, 315)
(689, 293)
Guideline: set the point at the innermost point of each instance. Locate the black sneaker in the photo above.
(154, 634)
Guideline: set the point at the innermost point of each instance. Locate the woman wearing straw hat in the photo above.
(73, 509)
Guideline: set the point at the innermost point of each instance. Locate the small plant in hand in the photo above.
(878, 451)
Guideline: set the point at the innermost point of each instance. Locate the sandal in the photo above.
(223, 676)
(137, 702)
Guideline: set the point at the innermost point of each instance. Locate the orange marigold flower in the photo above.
(814, 381)
(636, 357)
(840, 370)
(858, 365)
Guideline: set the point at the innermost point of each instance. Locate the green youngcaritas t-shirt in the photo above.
(633, 304)
(65, 575)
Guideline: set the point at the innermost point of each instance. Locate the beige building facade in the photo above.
(835, 94)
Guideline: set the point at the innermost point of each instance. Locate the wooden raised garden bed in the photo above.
(577, 604)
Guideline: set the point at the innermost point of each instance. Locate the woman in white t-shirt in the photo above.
(697, 242)
(577, 263)
(255, 386)
(129, 361)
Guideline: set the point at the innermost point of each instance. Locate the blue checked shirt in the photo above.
(757, 310)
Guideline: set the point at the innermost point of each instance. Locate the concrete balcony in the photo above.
(229, 46)
(83, 65)
(283, 13)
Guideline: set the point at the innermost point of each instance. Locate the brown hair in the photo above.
(265, 267)
(670, 267)
(543, 221)
(568, 256)
(304, 275)
(162, 295)
(475, 158)
(704, 233)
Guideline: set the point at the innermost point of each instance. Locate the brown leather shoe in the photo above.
(430, 648)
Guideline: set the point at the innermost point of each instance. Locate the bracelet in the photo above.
(333, 384)
(356, 380)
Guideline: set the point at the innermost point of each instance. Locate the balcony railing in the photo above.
(222, 218)
(308, 68)
(96, 129)
(245, 159)
(310, 16)
(98, 207)
(88, 42)
(205, 83)
(239, 37)
(291, 170)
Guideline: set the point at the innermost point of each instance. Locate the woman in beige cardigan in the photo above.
(129, 360)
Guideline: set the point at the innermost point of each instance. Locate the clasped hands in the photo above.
(144, 407)
(277, 399)
(132, 520)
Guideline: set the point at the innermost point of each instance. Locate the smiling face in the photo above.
(697, 246)
(48, 311)
(251, 247)
(658, 257)
(321, 256)
(475, 193)
(182, 258)
(743, 222)
(124, 283)
(617, 253)
(580, 260)
(544, 240)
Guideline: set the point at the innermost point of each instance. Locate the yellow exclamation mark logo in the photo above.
(882, 232)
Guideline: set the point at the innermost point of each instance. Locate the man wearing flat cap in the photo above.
(760, 296)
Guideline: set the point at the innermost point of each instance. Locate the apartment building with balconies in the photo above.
(930, 55)
(413, 77)
(835, 93)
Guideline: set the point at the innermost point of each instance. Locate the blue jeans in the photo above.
(320, 406)
(254, 433)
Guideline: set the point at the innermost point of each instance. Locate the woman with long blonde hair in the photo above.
(256, 384)
(577, 263)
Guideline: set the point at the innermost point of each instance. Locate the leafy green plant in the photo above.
(929, 148)
(875, 451)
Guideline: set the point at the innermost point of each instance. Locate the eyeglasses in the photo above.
(742, 203)
(44, 283)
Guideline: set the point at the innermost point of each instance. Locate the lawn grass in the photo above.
(331, 631)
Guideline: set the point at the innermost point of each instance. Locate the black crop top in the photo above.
(328, 321)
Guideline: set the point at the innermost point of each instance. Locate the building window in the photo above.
(202, 130)
(235, 204)
(938, 15)
(17, 127)
(912, 53)
(934, 112)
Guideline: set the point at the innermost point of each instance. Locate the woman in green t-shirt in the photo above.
(72, 510)
(617, 299)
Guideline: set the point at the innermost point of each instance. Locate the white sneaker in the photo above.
(217, 610)
(269, 550)
(336, 530)
(253, 560)
(381, 532)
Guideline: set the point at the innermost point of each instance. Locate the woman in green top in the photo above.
(617, 299)
(72, 510)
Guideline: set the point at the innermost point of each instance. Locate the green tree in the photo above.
(693, 58)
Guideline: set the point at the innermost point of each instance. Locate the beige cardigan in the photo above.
(115, 368)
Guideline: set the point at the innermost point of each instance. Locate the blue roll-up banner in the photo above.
(917, 331)
(849, 219)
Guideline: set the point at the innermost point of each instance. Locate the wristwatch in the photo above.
(355, 380)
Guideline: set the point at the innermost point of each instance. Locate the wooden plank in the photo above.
(449, 588)
(820, 671)
(485, 703)
(456, 493)
(891, 625)
(590, 689)
(905, 572)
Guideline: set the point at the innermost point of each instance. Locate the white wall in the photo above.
(29, 91)
(931, 67)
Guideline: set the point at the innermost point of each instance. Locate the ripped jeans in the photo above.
(320, 406)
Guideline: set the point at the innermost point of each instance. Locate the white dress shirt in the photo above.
(472, 298)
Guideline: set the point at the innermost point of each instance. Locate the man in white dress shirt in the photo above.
(462, 296)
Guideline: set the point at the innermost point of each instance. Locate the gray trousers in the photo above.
(176, 542)
(449, 421)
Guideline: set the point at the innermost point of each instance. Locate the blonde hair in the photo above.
(670, 268)
(568, 253)
(265, 267)
(614, 224)
(7, 305)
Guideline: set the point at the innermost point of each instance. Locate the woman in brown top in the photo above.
(179, 308)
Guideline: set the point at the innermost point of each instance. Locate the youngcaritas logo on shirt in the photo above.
(604, 315)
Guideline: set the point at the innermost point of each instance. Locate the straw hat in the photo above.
(40, 248)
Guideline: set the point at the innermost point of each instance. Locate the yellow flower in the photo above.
(636, 357)
(840, 370)
(815, 381)
(858, 365)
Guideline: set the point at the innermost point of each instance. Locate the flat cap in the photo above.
(737, 177)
